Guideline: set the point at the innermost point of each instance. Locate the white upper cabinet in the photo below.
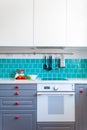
(77, 22)
(16, 22)
(49, 23)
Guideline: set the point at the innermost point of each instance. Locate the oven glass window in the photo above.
(55, 104)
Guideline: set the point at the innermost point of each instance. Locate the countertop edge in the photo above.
(13, 81)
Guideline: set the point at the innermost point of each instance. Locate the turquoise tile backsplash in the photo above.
(74, 68)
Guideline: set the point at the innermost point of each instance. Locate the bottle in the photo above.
(21, 72)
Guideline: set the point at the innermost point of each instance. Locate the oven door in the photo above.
(55, 106)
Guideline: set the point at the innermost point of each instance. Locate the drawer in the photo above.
(17, 93)
(18, 120)
(16, 103)
(18, 86)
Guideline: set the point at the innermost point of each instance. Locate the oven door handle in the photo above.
(58, 93)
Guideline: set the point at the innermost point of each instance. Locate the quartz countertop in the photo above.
(13, 81)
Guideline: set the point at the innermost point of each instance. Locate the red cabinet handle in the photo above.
(16, 103)
(81, 91)
(17, 87)
(16, 117)
(17, 93)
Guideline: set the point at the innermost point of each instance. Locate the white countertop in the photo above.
(13, 81)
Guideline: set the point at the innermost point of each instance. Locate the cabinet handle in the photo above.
(17, 93)
(17, 87)
(17, 103)
(81, 90)
(16, 117)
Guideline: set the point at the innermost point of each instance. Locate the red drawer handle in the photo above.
(17, 93)
(81, 91)
(17, 87)
(17, 103)
(16, 117)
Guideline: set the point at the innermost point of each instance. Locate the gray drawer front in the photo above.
(26, 120)
(18, 86)
(22, 103)
(17, 93)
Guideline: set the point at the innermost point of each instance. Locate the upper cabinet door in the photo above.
(49, 22)
(77, 22)
(16, 22)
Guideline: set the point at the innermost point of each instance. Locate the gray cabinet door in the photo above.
(55, 126)
(18, 121)
(81, 106)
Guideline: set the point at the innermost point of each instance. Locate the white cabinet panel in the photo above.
(16, 22)
(49, 22)
(77, 23)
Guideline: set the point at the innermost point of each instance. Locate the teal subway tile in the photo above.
(1, 65)
(66, 61)
(3, 61)
(61, 70)
(16, 61)
(15, 66)
(20, 66)
(1, 76)
(11, 66)
(23, 61)
(13, 61)
(25, 66)
(9, 61)
(74, 75)
(37, 71)
(84, 61)
(3, 70)
(19, 61)
(71, 70)
(40, 60)
(54, 75)
(31, 71)
(40, 65)
(69, 76)
(5, 65)
(83, 65)
(66, 70)
(86, 65)
(27, 61)
(83, 75)
(75, 68)
(65, 76)
(34, 65)
(40, 75)
(32, 61)
(84, 70)
(7, 70)
(6, 75)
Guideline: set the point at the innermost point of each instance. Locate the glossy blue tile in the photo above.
(75, 68)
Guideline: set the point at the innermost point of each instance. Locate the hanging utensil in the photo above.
(56, 63)
(49, 63)
(44, 65)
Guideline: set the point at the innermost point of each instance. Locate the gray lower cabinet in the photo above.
(18, 120)
(55, 126)
(81, 106)
(18, 107)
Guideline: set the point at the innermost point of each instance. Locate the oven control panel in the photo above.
(55, 87)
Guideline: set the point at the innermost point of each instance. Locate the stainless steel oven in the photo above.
(55, 102)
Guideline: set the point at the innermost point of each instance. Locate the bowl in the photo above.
(33, 77)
